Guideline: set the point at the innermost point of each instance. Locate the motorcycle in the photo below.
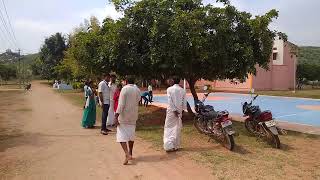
(216, 124)
(261, 124)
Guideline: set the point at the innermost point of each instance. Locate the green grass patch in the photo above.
(312, 93)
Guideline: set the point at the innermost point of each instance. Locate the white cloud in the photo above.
(102, 13)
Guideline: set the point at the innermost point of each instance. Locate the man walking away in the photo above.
(126, 117)
(104, 96)
(173, 123)
(150, 93)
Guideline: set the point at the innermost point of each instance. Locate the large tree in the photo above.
(51, 54)
(193, 41)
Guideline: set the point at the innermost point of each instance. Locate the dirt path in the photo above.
(52, 145)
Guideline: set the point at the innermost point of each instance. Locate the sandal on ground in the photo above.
(104, 132)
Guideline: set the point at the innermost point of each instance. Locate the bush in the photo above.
(77, 85)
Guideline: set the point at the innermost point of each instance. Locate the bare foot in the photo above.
(126, 161)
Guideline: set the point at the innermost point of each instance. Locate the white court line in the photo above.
(288, 115)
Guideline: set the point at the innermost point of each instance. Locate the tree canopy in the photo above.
(158, 39)
(51, 53)
(188, 39)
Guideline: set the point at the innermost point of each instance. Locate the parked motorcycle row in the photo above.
(218, 124)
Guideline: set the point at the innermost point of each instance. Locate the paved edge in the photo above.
(282, 124)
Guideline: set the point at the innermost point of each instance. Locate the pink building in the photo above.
(280, 76)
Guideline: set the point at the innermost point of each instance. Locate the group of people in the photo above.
(120, 109)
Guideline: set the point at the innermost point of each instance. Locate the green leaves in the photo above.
(51, 54)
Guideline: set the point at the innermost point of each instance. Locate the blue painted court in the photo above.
(294, 110)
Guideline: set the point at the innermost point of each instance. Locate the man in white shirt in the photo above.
(104, 97)
(173, 123)
(126, 117)
(150, 93)
(113, 87)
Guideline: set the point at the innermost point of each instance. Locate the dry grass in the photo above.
(252, 159)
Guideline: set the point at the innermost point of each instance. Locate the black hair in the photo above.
(105, 75)
(86, 82)
(130, 79)
(90, 83)
(119, 86)
(176, 80)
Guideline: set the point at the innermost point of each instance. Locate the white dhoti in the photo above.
(126, 132)
(172, 131)
(110, 119)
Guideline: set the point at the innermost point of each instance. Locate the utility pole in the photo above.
(19, 67)
(294, 75)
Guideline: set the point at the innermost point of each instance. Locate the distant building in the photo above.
(280, 76)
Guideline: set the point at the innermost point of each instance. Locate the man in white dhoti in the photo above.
(173, 123)
(126, 117)
(113, 87)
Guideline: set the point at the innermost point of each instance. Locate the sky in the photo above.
(34, 20)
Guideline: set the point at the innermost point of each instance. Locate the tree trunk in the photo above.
(192, 83)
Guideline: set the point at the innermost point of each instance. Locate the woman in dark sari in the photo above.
(89, 112)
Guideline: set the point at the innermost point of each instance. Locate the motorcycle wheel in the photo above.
(272, 139)
(250, 127)
(198, 125)
(228, 141)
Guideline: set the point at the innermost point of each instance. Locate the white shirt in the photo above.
(85, 87)
(105, 90)
(128, 104)
(176, 98)
(149, 88)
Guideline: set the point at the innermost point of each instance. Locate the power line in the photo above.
(7, 29)
(5, 9)
(6, 37)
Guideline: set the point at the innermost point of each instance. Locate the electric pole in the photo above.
(19, 68)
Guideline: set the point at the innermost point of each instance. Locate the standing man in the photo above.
(126, 117)
(113, 87)
(150, 93)
(173, 123)
(104, 97)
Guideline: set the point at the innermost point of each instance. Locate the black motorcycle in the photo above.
(216, 124)
(261, 124)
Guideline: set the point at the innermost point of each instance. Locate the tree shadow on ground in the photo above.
(156, 158)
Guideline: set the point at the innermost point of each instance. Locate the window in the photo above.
(274, 56)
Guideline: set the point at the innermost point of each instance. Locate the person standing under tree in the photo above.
(150, 93)
(173, 123)
(104, 97)
(126, 117)
(113, 87)
(89, 112)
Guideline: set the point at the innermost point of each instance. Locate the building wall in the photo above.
(278, 47)
(229, 85)
(280, 75)
(263, 78)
